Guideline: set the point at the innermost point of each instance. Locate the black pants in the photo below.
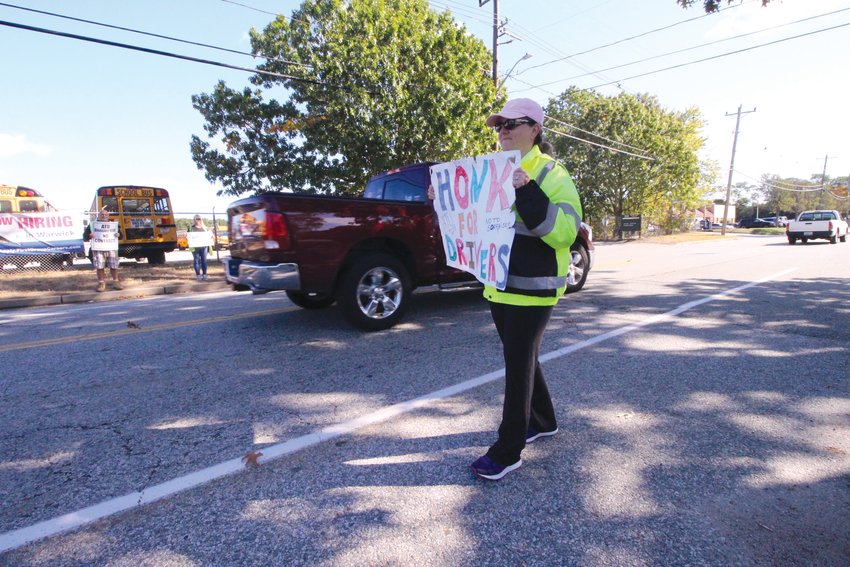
(527, 401)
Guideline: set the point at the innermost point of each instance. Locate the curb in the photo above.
(97, 297)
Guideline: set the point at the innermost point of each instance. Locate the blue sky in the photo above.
(75, 115)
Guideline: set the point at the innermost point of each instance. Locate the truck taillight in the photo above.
(276, 229)
(831, 226)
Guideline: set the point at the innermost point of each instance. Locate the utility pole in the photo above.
(496, 34)
(823, 182)
(732, 168)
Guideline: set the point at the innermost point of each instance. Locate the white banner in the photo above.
(199, 239)
(36, 233)
(473, 200)
(104, 236)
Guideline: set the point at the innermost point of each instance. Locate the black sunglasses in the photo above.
(513, 123)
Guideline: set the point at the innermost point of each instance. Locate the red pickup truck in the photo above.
(366, 253)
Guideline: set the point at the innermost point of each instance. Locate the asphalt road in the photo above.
(701, 390)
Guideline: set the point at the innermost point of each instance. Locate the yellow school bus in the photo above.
(17, 199)
(145, 218)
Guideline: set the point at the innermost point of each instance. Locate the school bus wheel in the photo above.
(156, 258)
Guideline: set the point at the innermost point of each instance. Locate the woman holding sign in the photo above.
(199, 253)
(548, 216)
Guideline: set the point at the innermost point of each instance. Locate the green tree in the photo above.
(373, 84)
(744, 194)
(789, 196)
(664, 188)
(712, 5)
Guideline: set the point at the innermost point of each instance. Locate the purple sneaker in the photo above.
(485, 467)
(532, 434)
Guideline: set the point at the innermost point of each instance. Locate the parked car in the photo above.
(777, 221)
(754, 223)
(367, 253)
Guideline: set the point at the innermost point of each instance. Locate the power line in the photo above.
(782, 187)
(164, 53)
(251, 8)
(472, 14)
(721, 55)
(795, 188)
(695, 47)
(838, 197)
(458, 8)
(574, 15)
(630, 38)
(562, 123)
(275, 14)
(149, 34)
(535, 41)
(813, 189)
(595, 144)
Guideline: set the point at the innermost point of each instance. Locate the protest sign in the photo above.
(104, 236)
(473, 199)
(199, 239)
(40, 233)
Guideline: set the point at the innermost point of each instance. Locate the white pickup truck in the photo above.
(811, 225)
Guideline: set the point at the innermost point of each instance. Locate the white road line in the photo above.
(22, 536)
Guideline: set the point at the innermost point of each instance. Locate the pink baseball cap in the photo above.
(517, 108)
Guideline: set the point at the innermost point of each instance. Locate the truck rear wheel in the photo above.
(374, 292)
(310, 301)
(577, 274)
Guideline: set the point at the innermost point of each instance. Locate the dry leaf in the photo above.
(133, 325)
(251, 457)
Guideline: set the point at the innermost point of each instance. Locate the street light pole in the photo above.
(523, 58)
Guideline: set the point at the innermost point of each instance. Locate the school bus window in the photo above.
(161, 205)
(5, 206)
(109, 203)
(136, 205)
(28, 206)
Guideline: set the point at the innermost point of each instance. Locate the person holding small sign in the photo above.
(104, 237)
(199, 247)
(548, 216)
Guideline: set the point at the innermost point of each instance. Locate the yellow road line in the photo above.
(140, 329)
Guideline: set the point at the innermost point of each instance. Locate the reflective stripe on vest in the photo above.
(550, 165)
(548, 223)
(539, 283)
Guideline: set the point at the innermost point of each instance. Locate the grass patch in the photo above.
(76, 279)
(698, 235)
(678, 237)
(767, 231)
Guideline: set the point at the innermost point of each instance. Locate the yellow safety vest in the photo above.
(548, 216)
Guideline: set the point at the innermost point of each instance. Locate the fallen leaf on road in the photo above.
(251, 457)
(133, 325)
